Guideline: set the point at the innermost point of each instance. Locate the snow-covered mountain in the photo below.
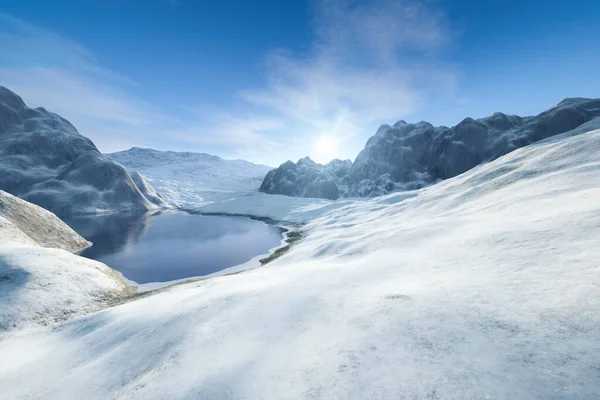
(485, 285)
(191, 178)
(44, 160)
(409, 156)
(307, 179)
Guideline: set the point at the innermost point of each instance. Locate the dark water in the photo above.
(173, 245)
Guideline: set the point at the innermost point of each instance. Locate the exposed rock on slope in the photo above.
(410, 156)
(44, 160)
(185, 178)
(41, 281)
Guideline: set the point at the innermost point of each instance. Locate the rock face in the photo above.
(307, 179)
(44, 160)
(410, 156)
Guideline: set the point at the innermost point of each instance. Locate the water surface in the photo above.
(173, 245)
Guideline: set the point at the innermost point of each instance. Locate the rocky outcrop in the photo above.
(307, 179)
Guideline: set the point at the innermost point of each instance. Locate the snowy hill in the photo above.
(190, 178)
(409, 156)
(41, 281)
(485, 285)
(44, 160)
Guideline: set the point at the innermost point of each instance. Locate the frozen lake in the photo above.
(173, 245)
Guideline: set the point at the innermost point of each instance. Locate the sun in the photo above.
(325, 149)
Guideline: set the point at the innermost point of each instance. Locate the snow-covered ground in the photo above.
(41, 281)
(486, 285)
(184, 178)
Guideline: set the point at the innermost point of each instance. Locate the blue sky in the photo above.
(266, 80)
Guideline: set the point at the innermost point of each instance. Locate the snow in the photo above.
(486, 285)
(148, 191)
(38, 225)
(40, 285)
(184, 178)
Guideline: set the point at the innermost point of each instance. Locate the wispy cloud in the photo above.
(49, 70)
(370, 63)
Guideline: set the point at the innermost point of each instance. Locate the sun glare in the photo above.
(325, 149)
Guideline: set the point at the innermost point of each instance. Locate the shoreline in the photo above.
(292, 234)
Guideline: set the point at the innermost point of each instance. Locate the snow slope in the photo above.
(44, 160)
(41, 281)
(185, 178)
(486, 285)
(43, 227)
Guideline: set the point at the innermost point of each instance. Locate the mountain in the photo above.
(45, 160)
(410, 156)
(184, 177)
(307, 179)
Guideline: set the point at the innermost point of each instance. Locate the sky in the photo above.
(272, 80)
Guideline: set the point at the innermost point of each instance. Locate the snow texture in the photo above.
(486, 285)
(185, 178)
(44, 160)
(410, 156)
(41, 281)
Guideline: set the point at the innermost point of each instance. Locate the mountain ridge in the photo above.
(407, 156)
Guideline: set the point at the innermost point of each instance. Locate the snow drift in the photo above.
(44, 160)
(41, 281)
(485, 285)
(410, 156)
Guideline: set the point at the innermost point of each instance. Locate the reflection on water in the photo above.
(173, 245)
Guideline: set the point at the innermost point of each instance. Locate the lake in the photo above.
(173, 245)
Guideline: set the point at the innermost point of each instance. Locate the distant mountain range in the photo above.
(44, 160)
(410, 156)
(184, 177)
